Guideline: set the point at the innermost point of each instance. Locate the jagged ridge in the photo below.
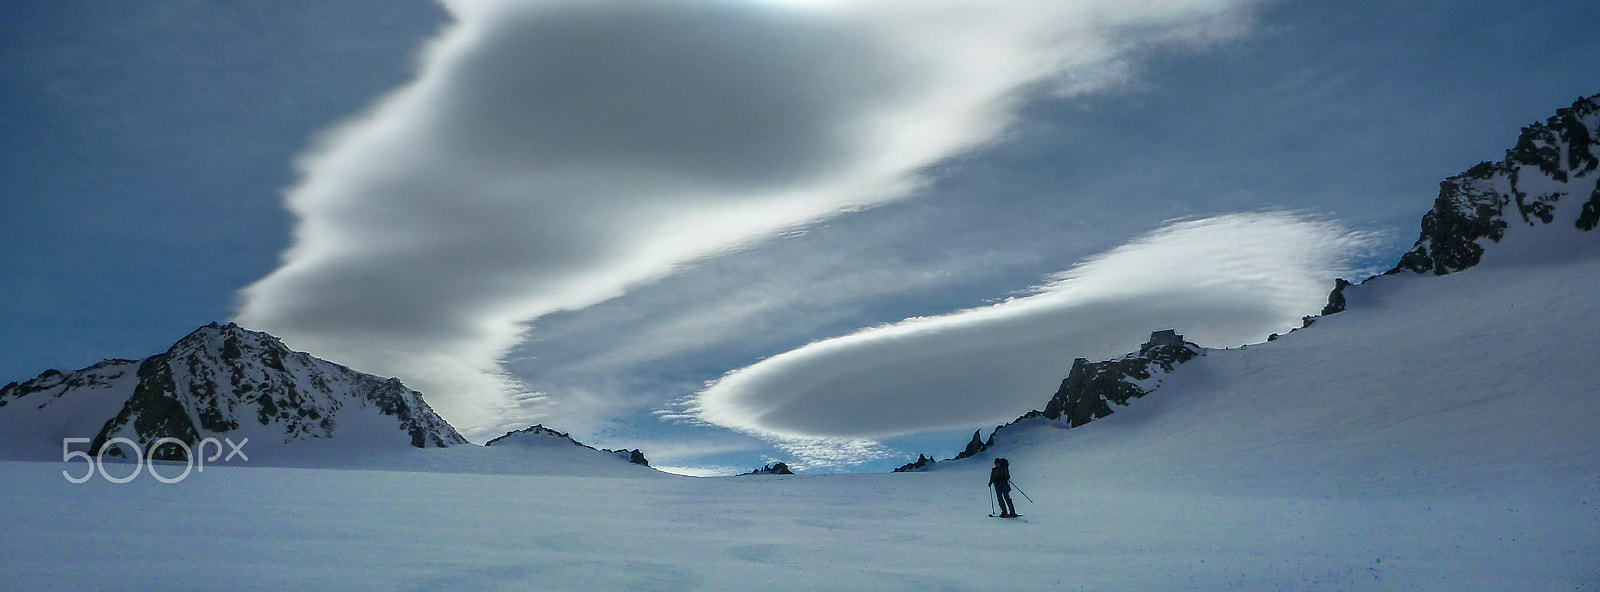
(974, 446)
(772, 469)
(1551, 161)
(1090, 389)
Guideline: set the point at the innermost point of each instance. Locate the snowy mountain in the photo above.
(539, 437)
(221, 381)
(282, 407)
(1402, 343)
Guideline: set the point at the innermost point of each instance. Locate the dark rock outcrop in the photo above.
(777, 468)
(1092, 387)
(975, 446)
(923, 461)
(1335, 300)
(634, 456)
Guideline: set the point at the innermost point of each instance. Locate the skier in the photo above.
(1000, 479)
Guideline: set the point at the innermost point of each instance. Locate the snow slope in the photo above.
(62, 405)
(1480, 380)
(1438, 435)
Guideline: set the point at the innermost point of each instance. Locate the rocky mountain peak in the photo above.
(1548, 178)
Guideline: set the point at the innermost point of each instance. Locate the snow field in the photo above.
(290, 529)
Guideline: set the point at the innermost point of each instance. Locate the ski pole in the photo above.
(1019, 490)
(991, 500)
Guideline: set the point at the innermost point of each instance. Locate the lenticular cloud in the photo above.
(551, 154)
(1220, 281)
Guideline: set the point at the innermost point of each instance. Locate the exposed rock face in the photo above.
(539, 435)
(222, 380)
(922, 462)
(1092, 387)
(1552, 164)
(772, 469)
(634, 456)
(1335, 299)
(975, 445)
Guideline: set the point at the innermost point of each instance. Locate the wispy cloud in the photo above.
(1220, 281)
(552, 155)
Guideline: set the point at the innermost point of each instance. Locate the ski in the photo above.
(999, 516)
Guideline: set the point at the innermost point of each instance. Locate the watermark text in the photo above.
(143, 459)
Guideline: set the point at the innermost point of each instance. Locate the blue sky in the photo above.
(581, 216)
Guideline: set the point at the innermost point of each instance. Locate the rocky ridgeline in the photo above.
(538, 435)
(974, 446)
(221, 380)
(1540, 182)
(1553, 165)
(772, 469)
(1091, 388)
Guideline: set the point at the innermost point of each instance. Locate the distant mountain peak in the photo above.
(227, 380)
(538, 435)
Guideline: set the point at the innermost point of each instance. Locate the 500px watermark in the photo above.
(97, 463)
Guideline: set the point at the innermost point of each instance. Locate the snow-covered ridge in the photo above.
(539, 436)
